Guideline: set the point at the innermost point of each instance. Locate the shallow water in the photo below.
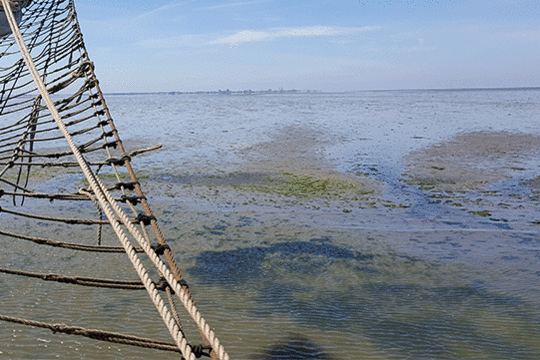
(306, 227)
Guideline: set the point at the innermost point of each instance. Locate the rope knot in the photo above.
(162, 284)
(118, 162)
(49, 277)
(132, 199)
(83, 69)
(92, 83)
(160, 248)
(199, 350)
(125, 185)
(108, 134)
(145, 219)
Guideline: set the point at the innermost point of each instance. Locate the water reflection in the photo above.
(437, 267)
(401, 305)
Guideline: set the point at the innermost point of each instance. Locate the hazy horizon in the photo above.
(316, 91)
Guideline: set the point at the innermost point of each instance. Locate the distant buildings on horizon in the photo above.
(224, 92)
(293, 91)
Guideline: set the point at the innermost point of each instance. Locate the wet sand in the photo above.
(290, 188)
(447, 255)
(283, 251)
(471, 161)
(291, 170)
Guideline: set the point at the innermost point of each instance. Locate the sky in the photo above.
(342, 45)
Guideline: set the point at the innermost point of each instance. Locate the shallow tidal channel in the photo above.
(372, 225)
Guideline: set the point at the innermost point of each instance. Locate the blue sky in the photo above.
(342, 45)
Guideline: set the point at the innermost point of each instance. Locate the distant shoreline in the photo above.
(221, 92)
(293, 91)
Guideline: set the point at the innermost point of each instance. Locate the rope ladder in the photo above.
(54, 119)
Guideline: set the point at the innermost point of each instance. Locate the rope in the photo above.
(71, 246)
(168, 254)
(50, 218)
(108, 204)
(140, 151)
(71, 197)
(86, 281)
(100, 213)
(98, 191)
(105, 335)
(140, 218)
(173, 308)
(23, 153)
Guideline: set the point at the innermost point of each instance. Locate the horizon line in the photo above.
(274, 91)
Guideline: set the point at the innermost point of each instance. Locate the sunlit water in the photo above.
(290, 281)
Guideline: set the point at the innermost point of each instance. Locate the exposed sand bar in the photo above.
(472, 161)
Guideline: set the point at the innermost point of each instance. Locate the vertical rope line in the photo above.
(100, 212)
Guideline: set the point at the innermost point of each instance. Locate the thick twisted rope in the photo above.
(102, 335)
(108, 204)
(167, 254)
(51, 218)
(156, 299)
(65, 245)
(85, 281)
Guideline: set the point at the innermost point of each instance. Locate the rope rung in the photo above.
(86, 281)
(71, 246)
(108, 336)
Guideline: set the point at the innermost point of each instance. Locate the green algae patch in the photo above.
(310, 187)
(396, 206)
(39, 173)
(484, 213)
(533, 183)
(424, 183)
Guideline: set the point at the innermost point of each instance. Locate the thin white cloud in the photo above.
(159, 11)
(188, 40)
(247, 36)
(230, 5)
(132, 25)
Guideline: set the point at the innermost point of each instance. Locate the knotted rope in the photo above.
(112, 210)
(86, 281)
(108, 336)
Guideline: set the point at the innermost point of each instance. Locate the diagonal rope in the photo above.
(108, 204)
(98, 191)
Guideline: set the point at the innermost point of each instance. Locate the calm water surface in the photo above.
(426, 280)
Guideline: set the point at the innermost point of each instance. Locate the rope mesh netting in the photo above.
(33, 149)
(29, 137)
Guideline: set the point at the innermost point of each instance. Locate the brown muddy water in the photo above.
(292, 252)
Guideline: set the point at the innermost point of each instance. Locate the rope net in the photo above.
(33, 149)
